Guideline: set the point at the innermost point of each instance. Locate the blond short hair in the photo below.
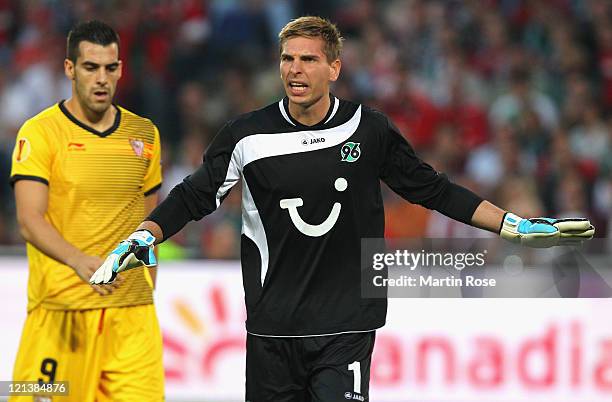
(314, 27)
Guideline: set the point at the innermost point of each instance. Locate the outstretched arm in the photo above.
(488, 216)
(416, 181)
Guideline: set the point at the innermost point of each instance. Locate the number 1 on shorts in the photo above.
(355, 367)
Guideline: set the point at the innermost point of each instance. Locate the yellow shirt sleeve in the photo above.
(32, 156)
(153, 177)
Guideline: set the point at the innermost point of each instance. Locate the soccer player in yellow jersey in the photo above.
(85, 173)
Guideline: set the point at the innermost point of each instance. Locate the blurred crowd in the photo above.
(511, 98)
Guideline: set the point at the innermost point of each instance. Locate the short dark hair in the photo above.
(91, 31)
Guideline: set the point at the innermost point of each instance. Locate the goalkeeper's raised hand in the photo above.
(134, 252)
(546, 232)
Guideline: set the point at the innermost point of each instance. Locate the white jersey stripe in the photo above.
(232, 176)
(333, 113)
(281, 106)
(310, 336)
(259, 146)
(252, 227)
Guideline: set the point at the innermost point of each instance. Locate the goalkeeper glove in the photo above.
(545, 232)
(134, 252)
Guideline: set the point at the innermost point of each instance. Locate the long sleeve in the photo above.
(202, 192)
(416, 181)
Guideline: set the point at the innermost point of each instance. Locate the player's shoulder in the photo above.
(132, 119)
(375, 115)
(50, 114)
(348, 108)
(343, 109)
(44, 124)
(376, 125)
(260, 121)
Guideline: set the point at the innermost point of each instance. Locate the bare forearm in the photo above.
(31, 199)
(42, 235)
(488, 216)
(154, 229)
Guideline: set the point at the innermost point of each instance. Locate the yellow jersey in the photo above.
(97, 183)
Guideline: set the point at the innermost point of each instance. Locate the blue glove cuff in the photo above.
(527, 226)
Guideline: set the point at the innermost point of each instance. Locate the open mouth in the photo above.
(297, 88)
(101, 95)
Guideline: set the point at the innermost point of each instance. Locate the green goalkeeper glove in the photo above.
(545, 232)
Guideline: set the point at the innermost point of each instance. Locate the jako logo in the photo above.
(313, 141)
(353, 397)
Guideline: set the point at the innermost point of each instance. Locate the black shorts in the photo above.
(310, 369)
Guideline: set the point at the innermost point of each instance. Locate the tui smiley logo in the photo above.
(292, 204)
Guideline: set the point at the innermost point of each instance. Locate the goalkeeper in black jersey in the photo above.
(310, 167)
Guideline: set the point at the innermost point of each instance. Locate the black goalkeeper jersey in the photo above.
(309, 195)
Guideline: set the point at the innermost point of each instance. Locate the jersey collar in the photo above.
(92, 130)
(283, 106)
